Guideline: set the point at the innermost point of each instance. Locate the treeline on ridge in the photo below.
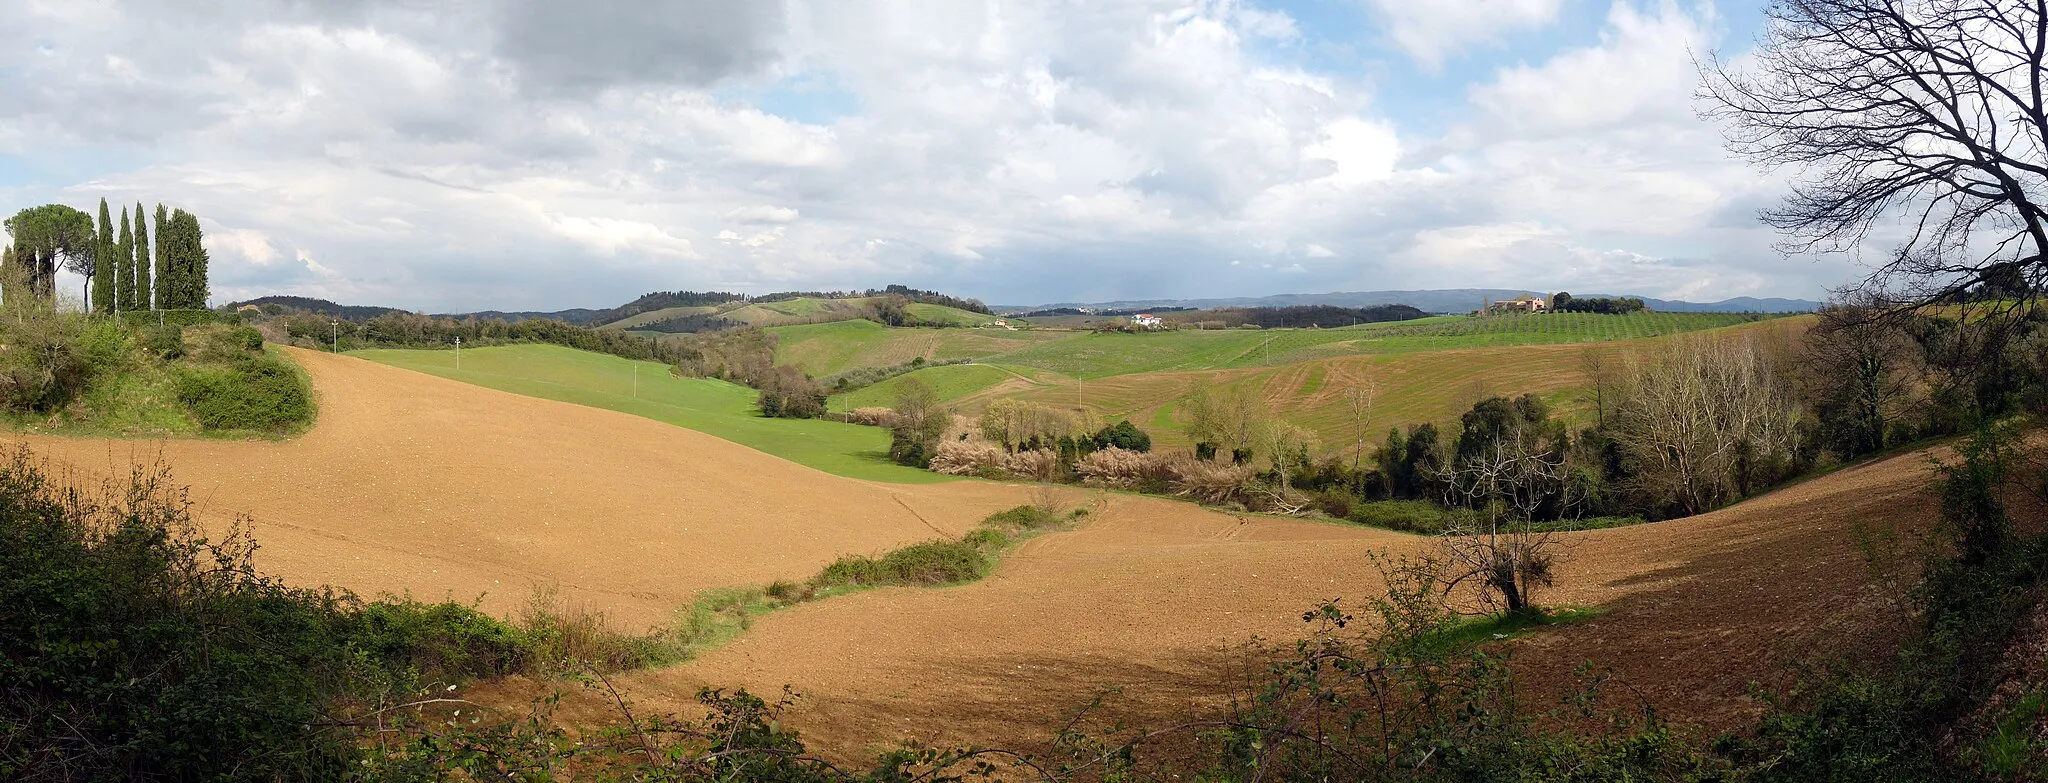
(413, 330)
(1298, 317)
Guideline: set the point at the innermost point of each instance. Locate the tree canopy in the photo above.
(49, 235)
(1925, 115)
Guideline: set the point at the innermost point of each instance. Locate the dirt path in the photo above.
(412, 482)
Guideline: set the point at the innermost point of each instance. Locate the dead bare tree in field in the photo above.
(1701, 418)
(1928, 116)
(1501, 549)
(1358, 400)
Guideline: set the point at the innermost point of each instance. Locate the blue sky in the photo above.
(522, 154)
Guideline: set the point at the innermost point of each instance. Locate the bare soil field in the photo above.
(412, 482)
(1157, 605)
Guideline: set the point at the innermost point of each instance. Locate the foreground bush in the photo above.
(131, 648)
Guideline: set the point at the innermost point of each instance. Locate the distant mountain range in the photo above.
(1453, 300)
(344, 312)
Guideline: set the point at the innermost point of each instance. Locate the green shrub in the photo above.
(929, 564)
(987, 540)
(564, 637)
(169, 317)
(165, 342)
(789, 592)
(254, 393)
(1413, 516)
(444, 637)
(1123, 435)
(51, 357)
(1022, 518)
(245, 338)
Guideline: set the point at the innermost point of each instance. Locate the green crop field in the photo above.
(657, 316)
(831, 348)
(645, 389)
(1093, 355)
(949, 382)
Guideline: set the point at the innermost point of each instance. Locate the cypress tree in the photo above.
(104, 264)
(138, 266)
(198, 286)
(181, 283)
(123, 299)
(163, 258)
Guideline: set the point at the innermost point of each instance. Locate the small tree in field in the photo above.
(1228, 419)
(917, 425)
(1500, 549)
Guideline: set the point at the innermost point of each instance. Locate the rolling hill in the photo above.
(1457, 300)
(1423, 371)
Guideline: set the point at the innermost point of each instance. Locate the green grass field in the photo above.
(831, 348)
(645, 389)
(1093, 355)
(950, 382)
(1300, 373)
(657, 316)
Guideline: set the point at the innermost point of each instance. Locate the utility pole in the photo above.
(636, 381)
(335, 327)
(458, 354)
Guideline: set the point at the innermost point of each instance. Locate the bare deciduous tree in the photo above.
(1501, 549)
(1701, 418)
(1231, 417)
(1358, 400)
(1926, 114)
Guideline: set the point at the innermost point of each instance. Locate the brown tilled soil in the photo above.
(413, 482)
(1156, 600)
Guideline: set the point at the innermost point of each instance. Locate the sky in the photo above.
(534, 154)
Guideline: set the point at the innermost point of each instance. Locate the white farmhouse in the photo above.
(1147, 321)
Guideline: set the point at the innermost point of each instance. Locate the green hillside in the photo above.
(950, 382)
(832, 348)
(646, 389)
(657, 316)
(941, 314)
(1100, 355)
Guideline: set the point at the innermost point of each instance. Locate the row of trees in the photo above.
(123, 272)
(414, 330)
(1564, 302)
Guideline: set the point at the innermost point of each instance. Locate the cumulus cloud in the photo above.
(1434, 31)
(518, 154)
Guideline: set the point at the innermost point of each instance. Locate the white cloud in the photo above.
(1432, 31)
(610, 236)
(762, 214)
(250, 245)
(1011, 149)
